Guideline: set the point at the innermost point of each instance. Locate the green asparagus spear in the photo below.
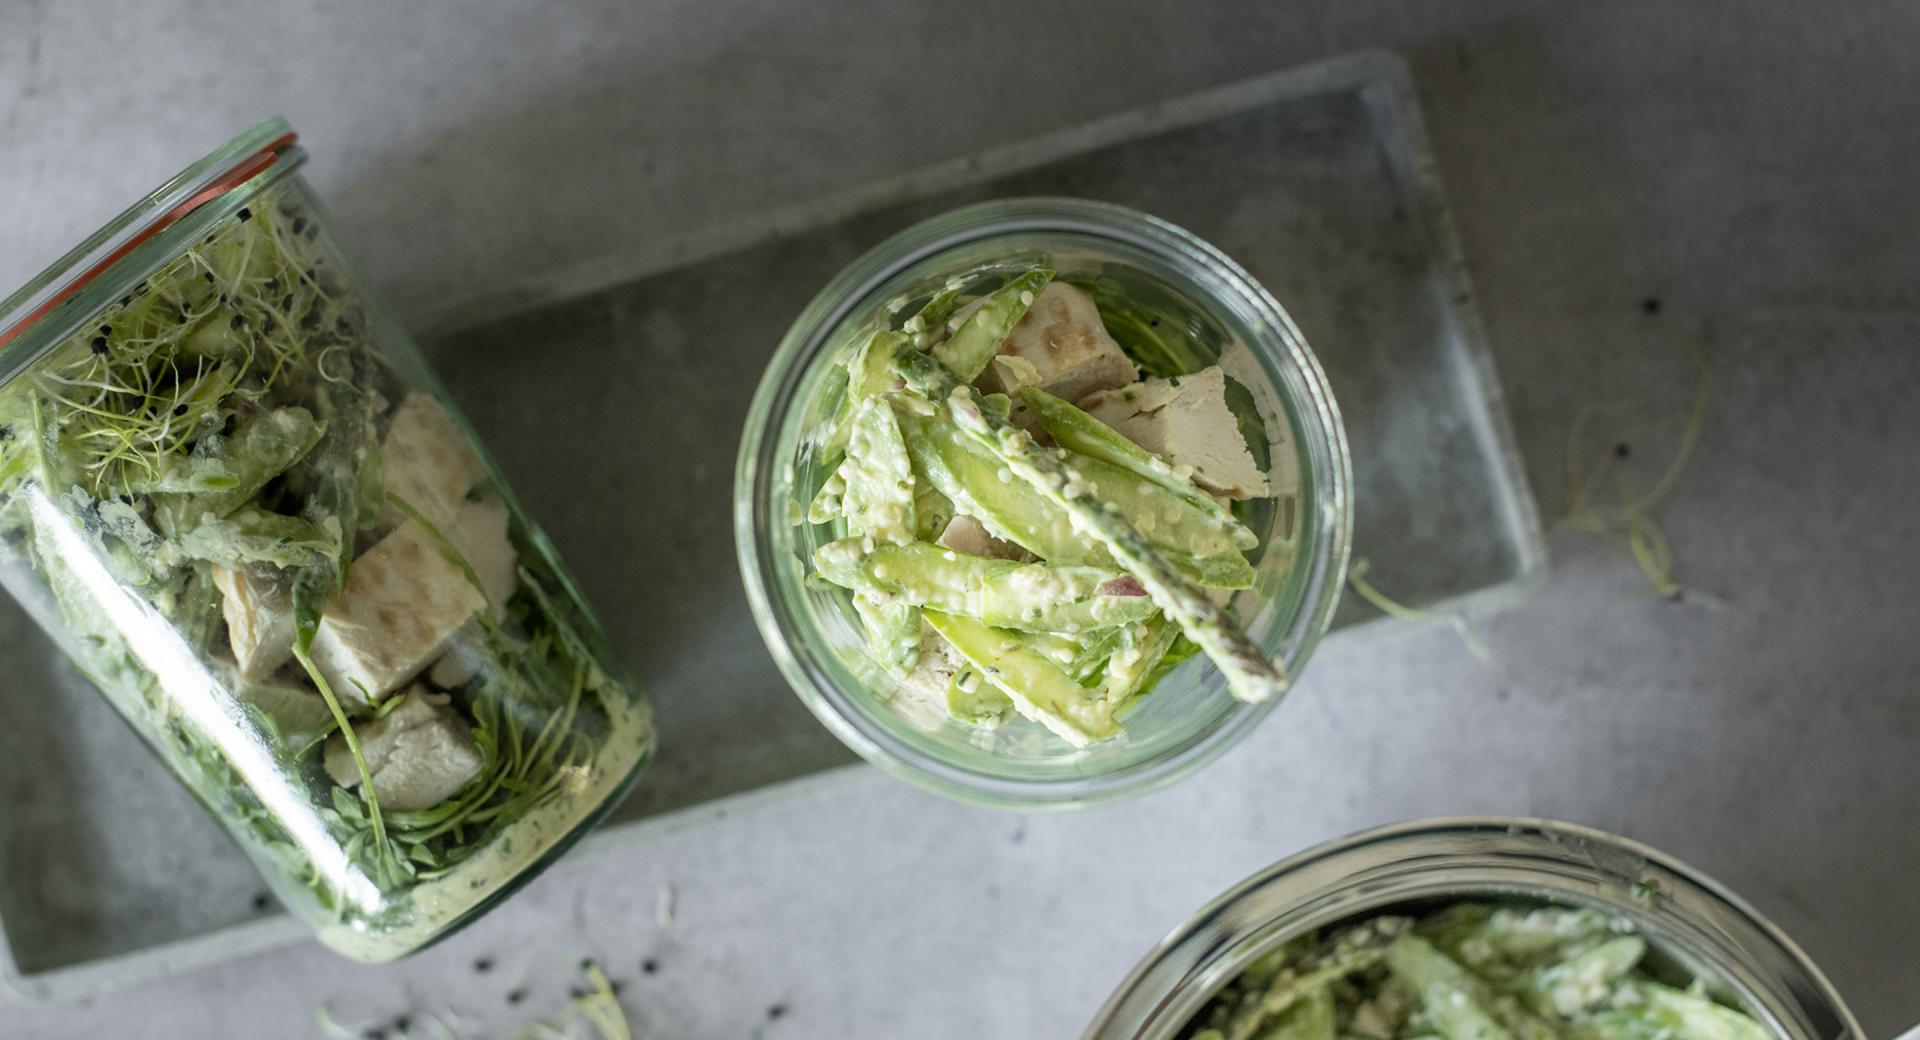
(975, 342)
(1039, 689)
(1345, 952)
(1036, 597)
(1457, 1000)
(1581, 982)
(1649, 1011)
(1130, 664)
(1072, 428)
(929, 323)
(969, 475)
(878, 504)
(1309, 1019)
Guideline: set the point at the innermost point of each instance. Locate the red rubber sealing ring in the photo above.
(241, 172)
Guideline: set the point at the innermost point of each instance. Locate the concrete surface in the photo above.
(1749, 165)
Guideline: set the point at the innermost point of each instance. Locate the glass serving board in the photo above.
(625, 384)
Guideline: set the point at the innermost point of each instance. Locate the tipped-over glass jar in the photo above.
(1692, 929)
(233, 493)
(954, 462)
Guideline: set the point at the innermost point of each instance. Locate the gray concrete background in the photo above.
(1749, 164)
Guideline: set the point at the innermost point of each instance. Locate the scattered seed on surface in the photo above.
(1621, 450)
(515, 996)
(261, 902)
(777, 1011)
(245, 214)
(1651, 305)
(649, 966)
(483, 965)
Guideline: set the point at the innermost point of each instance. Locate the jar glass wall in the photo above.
(1189, 717)
(235, 496)
(1688, 920)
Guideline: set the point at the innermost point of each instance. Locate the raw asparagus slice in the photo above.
(930, 321)
(1130, 664)
(1033, 597)
(1039, 689)
(969, 475)
(977, 340)
(1074, 429)
(878, 504)
(1582, 982)
(1341, 954)
(1650, 1011)
(1250, 675)
(1462, 1005)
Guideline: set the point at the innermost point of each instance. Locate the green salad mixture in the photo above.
(1036, 498)
(1471, 971)
(290, 570)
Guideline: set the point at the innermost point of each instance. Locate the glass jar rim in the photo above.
(1465, 858)
(140, 240)
(807, 344)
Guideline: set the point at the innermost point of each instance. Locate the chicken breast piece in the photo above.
(480, 532)
(965, 534)
(259, 613)
(1186, 421)
(419, 754)
(1059, 346)
(403, 598)
(427, 462)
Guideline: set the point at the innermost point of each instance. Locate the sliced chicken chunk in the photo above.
(427, 462)
(419, 754)
(965, 534)
(1061, 347)
(259, 613)
(1186, 421)
(403, 598)
(480, 532)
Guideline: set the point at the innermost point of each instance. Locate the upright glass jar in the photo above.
(1687, 919)
(233, 493)
(1189, 718)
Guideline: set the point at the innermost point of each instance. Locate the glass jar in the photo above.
(1189, 718)
(235, 496)
(1686, 918)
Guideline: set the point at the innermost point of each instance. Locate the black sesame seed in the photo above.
(208, 275)
(299, 225)
(6, 431)
(1621, 450)
(1155, 322)
(99, 344)
(286, 302)
(245, 214)
(180, 409)
(124, 300)
(106, 330)
(647, 967)
(515, 996)
(579, 993)
(273, 283)
(402, 1024)
(482, 965)
(777, 1011)
(1651, 305)
(238, 321)
(261, 902)
(374, 1033)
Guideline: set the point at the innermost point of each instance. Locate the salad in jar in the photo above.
(1035, 512)
(235, 498)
